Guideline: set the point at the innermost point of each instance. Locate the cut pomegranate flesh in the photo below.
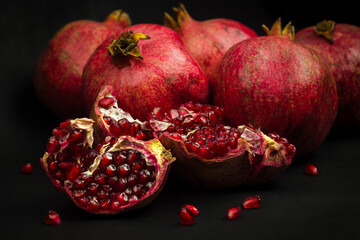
(27, 168)
(233, 213)
(311, 170)
(201, 128)
(109, 179)
(188, 214)
(52, 218)
(252, 202)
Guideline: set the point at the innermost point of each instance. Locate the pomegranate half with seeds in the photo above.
(212, 155)
(119, 175)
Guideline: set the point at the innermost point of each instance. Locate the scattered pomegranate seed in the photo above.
(27, 168)
(311, 169)
(52, 218)
(252, 202)
(188, 214)
(233, 213)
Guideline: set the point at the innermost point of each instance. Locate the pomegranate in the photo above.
(339, 45)
(233, 213)
(58, 73)
(212, 155)
(187, 214)
(279, 85)
(251, 202)
(207, 40)
(110, 120)
(119, 175)
(148, 66)
(52, 218)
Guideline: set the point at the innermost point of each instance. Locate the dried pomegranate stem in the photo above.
(325, 29)
(181, 15)
(118, 17)
(126, 44)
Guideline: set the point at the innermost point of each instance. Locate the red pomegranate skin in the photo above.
(58, 73)
(166, 77)
(208, 40)
(343, 59)
(279, 86)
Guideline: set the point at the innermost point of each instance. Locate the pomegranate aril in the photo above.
(112, 181)
(65, 124)
(27, 168)
(52, 145)
(115, 129)
(106, 102)
(122, 198)
(123, 170)
(188, 214)
(311, 170)
(78, 193)
(192, 210)
(120, 158)
(102, 195)
(114, 205)
(52, 218)
(75, 137)
(73, 173)
(121, 184)
(252, 202)
(105, 204)
(132, 180)
(110, 170)
(106, 160)
(82, 201)
(144, 176)
(93, 205)
(100, 179)
(233, 213)
(93, 189)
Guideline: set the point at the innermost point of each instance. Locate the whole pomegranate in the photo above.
(207, 40)
(148, 66)
(339, 45)
(119, 175)
(210, 154)
(58, 73)
(279, 85)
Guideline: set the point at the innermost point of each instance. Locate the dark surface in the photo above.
(295, 206)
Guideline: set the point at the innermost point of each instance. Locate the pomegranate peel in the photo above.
(117, 176)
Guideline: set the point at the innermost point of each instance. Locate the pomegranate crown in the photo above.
(180, 13)
(118, 17)
(276, 30)
(325, 29)
(126, 44)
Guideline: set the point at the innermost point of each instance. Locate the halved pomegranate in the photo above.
(119, 175)
(212, 155)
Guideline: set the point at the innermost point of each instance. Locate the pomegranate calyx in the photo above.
(276, 30)
(126, 44)
(118, 17)
(181, 15)
(325, 29)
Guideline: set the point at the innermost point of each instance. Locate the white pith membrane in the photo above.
(121, 175)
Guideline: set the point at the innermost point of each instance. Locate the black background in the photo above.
(295, 206)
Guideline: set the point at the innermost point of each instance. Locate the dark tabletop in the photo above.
(294, 206)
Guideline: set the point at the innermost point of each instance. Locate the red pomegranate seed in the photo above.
(252, 202)
(311, 169)
(52, 218)
(75, 136)
(106, 102)
(65, 124)
(73, 173)
(27, 168)
(188, 214)
(52, 145)
(233, 213)
(192, 210)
